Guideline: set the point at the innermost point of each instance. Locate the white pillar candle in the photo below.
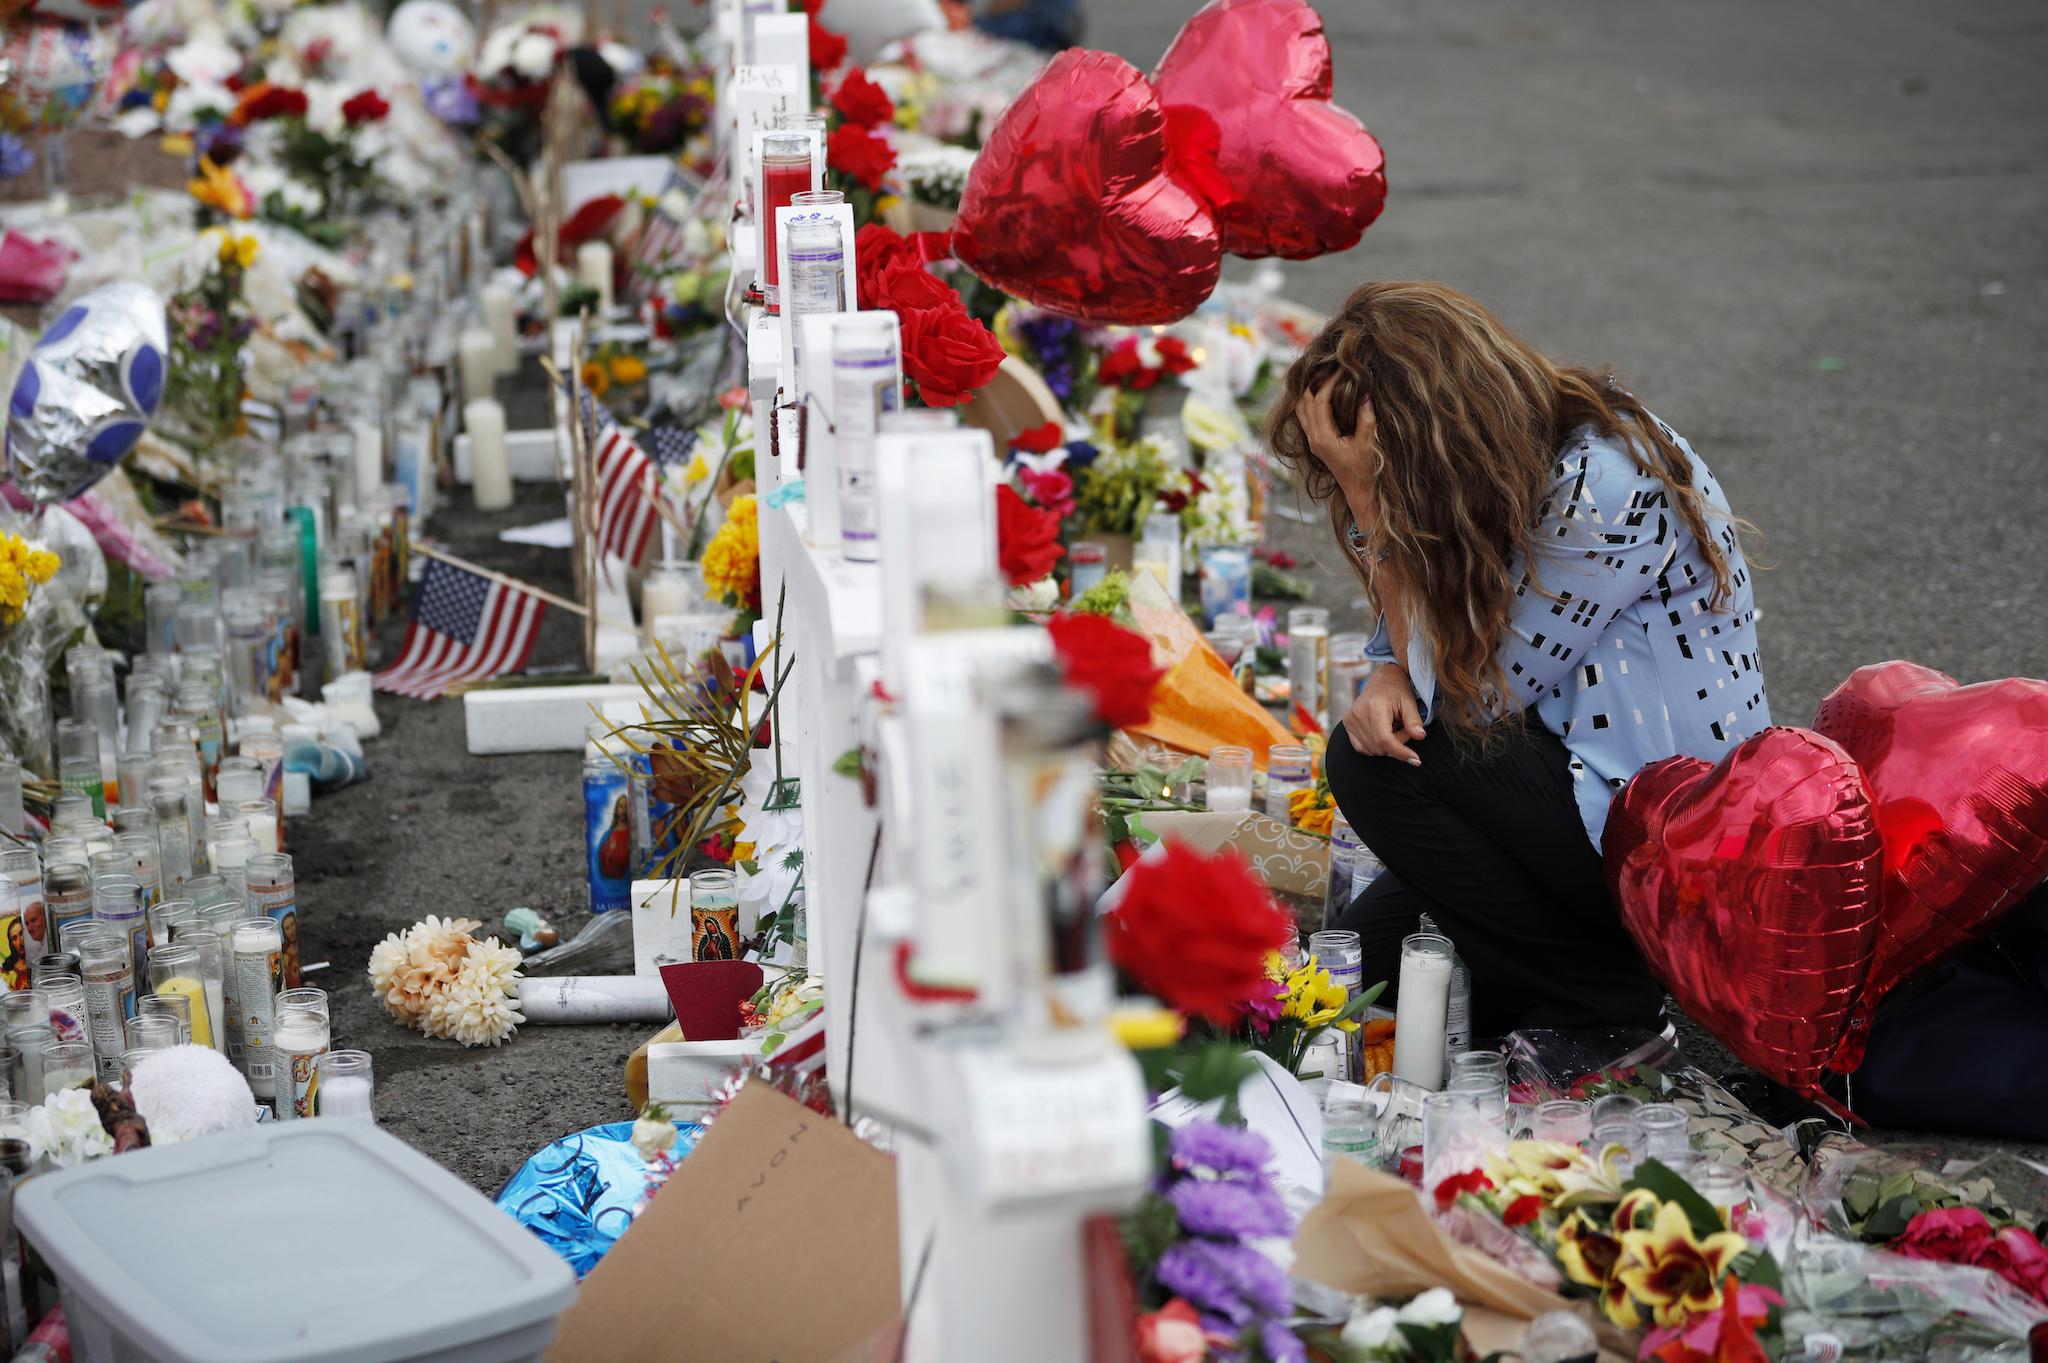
(594, 267)
(1419, 1012)
(500, 309)
(369, 437)
(490, 472)
(667, 591)
(478, 355)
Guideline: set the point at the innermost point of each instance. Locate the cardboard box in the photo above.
(774, 1242)
(1294, 865)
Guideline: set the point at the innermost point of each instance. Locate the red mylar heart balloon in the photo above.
(1959, 776)
(1751, 887)
(1072, 205)
(1306, 176)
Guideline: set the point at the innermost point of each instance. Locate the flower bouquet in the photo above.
(209, 326)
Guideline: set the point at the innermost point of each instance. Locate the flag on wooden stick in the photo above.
(465, 627)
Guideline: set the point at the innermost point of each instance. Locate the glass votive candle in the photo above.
(22, 1007)
(177, 970)
(1613, 1107)
(1288, 768)
(166, 915)
(176, 1007)
(1451, 1123)
(1666, 1130)
(1350, 1130)
(1488, 1092)
(66, 1064)
(1088, 564)
(212, 976)
(10, 1060)
(301, 1038)
(261, 816)
(1722, 1185)
(1567, 1121)
(346, 1085)
(14, 1119)
(1230, 778)
(1624, 1134)
(29, 1042)
(150, 1032)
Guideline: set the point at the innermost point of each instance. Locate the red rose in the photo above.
(1522, 1210)
(1173, 355)
(859, 155)
(828, 49)
(1027, 538)
(2016, 1256)
(913, 288)
(1110, 663)
(364, 107)
(1172, 1334)
(264, 100)
(1121, 362)
(1051, 489)
(1194, 931)
(1039, 439)
(1471, 1181)
(862, 102)
(1949, 1235)
(948, 354)
(876, 249)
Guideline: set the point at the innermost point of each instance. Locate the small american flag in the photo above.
(465, 627)
(626, 481)
(671, 445)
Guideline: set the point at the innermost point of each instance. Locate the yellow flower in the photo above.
(595, 380)
(1311, 810)
(1590, 1258)
(217, 188)
(697, 471)
(732, 561)
(236, 250)
(22, 568)
(1677, 1276)
(1536, 1166)
(628, 369)
(1314, 998)
(1146, 1029)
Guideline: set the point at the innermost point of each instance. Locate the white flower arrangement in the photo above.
(66, 1127)
(437, 979)
(1222, 513)
(937, 175)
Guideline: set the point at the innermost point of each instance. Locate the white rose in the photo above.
(1373, 1330)
(1435, 1307)
(67, 1128)
(653, 1136)
(533, 56)
(1041, 595)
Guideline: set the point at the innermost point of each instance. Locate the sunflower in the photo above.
(596, 381)
(628, 369)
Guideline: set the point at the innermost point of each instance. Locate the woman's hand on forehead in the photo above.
(1348, 457)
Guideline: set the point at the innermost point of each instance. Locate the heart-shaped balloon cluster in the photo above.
(1109, 197)
(1783, 891)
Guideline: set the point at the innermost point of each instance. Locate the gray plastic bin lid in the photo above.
(323, 1241)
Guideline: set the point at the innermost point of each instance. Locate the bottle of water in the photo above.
(1345, 849)
(1458, 1008)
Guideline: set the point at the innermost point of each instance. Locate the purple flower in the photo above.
(16, 157)
(219, 143)
(1224, 1149)
(1186, 1271)
(1233, 1209)
(452, 101)
(1282, 1344)
(1080, 454)
(1233, 1281)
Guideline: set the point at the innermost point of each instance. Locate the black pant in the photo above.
(1487, 840)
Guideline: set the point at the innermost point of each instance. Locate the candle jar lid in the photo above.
(1426, 944)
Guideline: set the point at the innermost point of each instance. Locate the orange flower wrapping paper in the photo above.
(1198, 705)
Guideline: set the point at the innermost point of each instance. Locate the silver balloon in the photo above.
(88, 391)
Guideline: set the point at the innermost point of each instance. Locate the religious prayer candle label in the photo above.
(607, 834)
(257, 969)
(276, 898)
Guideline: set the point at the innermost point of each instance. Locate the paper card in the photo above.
(1277, 1106)
(757, 96)
(774, 1242)
(707, 995)
(661, 918)
(1054, 1133)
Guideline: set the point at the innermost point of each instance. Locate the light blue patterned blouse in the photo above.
(1620, 651)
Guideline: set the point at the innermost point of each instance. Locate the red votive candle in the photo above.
(785, 173)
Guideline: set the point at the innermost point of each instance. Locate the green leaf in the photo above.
(1188, 772)
(1663, 1181)
(1360, 1002)
(1890, 1219)
(1148, 782)
(847, 763)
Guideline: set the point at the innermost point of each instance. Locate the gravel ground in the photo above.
(1812, 237)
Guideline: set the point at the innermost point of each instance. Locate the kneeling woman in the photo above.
(1562, 600)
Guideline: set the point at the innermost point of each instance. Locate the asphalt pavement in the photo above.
(1814, 238)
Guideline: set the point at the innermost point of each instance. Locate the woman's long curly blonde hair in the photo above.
(1471, 420)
